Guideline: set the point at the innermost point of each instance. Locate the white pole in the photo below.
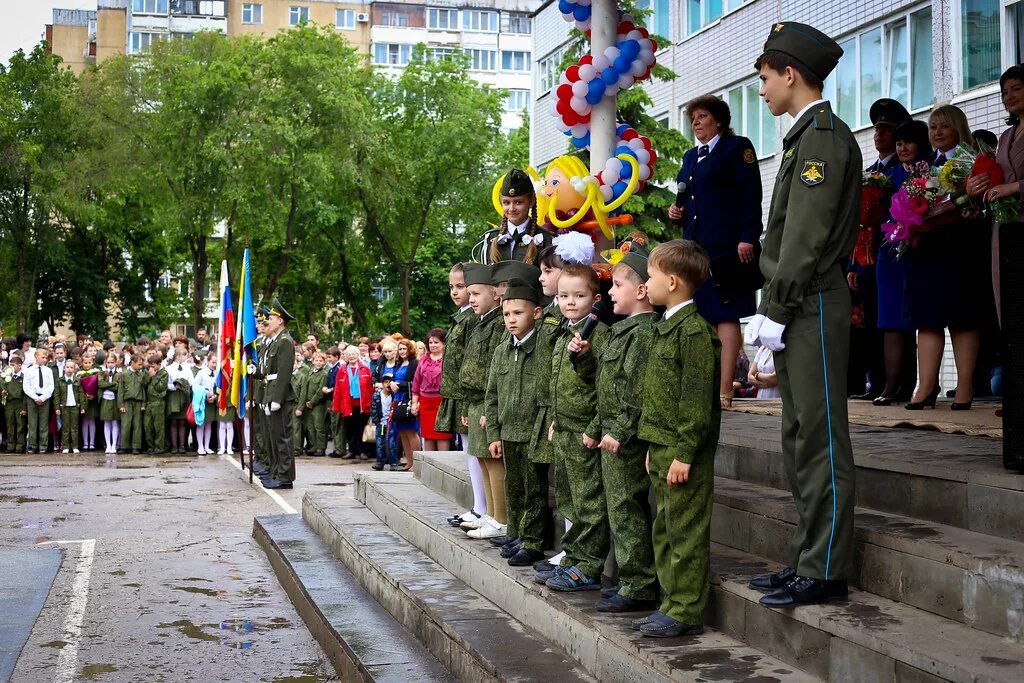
(603, 22)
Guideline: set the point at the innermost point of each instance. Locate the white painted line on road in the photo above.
(67, 662)
(270, 492)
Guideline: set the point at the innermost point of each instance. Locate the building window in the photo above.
(252, 13)
(751, 118)
(980, 41)
(1016, 19)
(391, 53)
(437, 54)
(519, 23)
(658, 19)
(394, 19)
(443, 19)
(700, 13)
(480, 20)
(345, 18)
(483, 60)
(909, 59)
(298, 15)
(517, 100)
(515, 60)
(548, 71)
(150, 6)
(141, 41)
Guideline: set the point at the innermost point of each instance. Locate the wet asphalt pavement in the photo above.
(174, 588)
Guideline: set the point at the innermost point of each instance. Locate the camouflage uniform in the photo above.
(549, 328)
(14, 406)
(680, 419)
(131, 397)
(473, 374)
(298, 382)
(574, 411)
(620, 387)
(153, 417)
(313, 419)
(70, 416)
(449, 413)
(518, 371)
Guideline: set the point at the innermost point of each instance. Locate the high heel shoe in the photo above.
(961, 406)
(884, 400)
(928, 402)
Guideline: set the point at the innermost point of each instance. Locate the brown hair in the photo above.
(363, 340)
(334, 351)
(531, 251)
(410, 346)
(779, 61)
(631, 274)
(550, 258)
(155, 359)
(438, 334)
(683, 258)
(583, 272)
(458, 268)
(715, 106)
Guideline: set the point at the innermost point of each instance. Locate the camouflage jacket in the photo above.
(14, 390)
(312, 384)
(462, 323)
(549, 328)
(480, 346)
(681, 409)
(574, 384)
(516, 376)
(133, 387)
(156, 388)
(620, 378)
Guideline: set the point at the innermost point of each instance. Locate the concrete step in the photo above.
(872, 630)
(476, 640)
(363, 641)
(603, 644)
(946, 478)
(969, 577)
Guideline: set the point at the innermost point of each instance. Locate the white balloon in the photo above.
(563, 79)
(613, 165)
(612, 53)
(579, 130)
(601, 63)
(583, 3)
(611, 90)
(587, 73)
(589, 179)
(634, 35)
(646, 44)
(637, 68)
(554, 108)
(561, 125)
(583, 25)
(606, 192)
(610, 176)
(647, 57)
(579, 105)
(625, 80)
(642, 155)
(644, 172)
(580, 89)
(635, 144)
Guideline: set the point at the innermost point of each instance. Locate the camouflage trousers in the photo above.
(586, 544)
(626, 488)
(526, 495)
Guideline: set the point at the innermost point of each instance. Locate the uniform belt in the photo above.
(272, 377)
(832, 278)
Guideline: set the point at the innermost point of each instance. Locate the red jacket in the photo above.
(342, 401)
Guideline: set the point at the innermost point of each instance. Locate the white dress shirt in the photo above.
(38, 383)
(803, 111)
(675, 309)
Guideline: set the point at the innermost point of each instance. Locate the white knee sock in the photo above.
(204, 436)
(108, 434)
(226, 436)
(476, 475)
(115, 428)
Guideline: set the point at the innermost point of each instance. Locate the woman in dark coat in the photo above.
(718, 206)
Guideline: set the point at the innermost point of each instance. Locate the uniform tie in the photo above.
(703, 152)
(940, 158)
(40, 377)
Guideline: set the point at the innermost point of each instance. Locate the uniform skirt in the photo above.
(714, 310)
(213, 413)
(429, 406)
(108, 409)
(477, 435)
(177, 403)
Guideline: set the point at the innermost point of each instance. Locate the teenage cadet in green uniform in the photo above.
(804, 316)
(620, 387)
(312, 401)
(130, 399)
(520, 237)
(473, 376)
(154, 416)
(518, 370)
(69, 397)
(38, 394)
(680, 419)
(575, 433)
(450, 410)
(14, 406)
(279, 399)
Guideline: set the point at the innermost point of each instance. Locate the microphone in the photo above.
(589, 323)
(680, 197)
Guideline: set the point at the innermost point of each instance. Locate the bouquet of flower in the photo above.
(967, 163)
(919, 205)
(875, 186)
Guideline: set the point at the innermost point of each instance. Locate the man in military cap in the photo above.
(275, 365)
(521, 237)
(804, 316)
(256, 415)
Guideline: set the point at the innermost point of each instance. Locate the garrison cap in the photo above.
(888, 112)
(635, 254)
(517, 183)
(476, 274)
(521, 289)
(502, 271)
(277, 309)
(814, 49)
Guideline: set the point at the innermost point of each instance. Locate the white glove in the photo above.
(750, 334)
(275, 406)
(250, 369)
(266, 410)
(771, 334)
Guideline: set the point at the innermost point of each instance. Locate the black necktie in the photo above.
(40, 377)
(940, 158)
(703, 151)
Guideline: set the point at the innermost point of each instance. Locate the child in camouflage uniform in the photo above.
(14, 405)
(154, 415)
(314, 407)
(681, 419)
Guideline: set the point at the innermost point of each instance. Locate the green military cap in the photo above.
(476, 274)
(502, 271)
(635, 254)
(517, 183)
(277, 309)
(807, 44)
(888, 112)
(521, 289)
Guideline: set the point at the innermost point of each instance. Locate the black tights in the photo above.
(179, 434)
(900, 365)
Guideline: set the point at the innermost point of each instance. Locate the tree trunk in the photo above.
(200, 265)
(406, 273)
(286, 250)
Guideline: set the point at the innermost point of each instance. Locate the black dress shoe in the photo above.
(503, 540)
(618, 603)
(544, 566)
(771, 582)
(960, 406)
(525, 557)
(609, 591)
(867, 396)
(260, 471)
(275, 484)
(511, 549)
(803, 590)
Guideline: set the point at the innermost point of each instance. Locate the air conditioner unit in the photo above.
(363, 17)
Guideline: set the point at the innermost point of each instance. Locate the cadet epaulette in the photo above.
(823, 120)
(551, 321)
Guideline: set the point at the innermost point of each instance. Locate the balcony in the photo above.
(199, 8)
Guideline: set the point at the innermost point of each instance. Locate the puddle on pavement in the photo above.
(190, 630)
(309, 672)
(23, 499)
(334, 484)
(196, 578)
(118, 572)
(56, 644)
(254, 591)
(212, 592)
(133, 585)
(93, 670)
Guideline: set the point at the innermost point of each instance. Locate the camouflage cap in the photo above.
(521, 289)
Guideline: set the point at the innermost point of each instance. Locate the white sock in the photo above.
(108, 434)
(476, 475)
(555, 559)
(207, 433)
(228, 435)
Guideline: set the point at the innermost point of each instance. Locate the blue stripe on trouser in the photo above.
(828, 412)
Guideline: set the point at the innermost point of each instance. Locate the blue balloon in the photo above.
(582, 142)
(610, 76)
(592, 97)
(629, 49)
(565, 7)
(618, 188)
(622, 64)
(596, 86)
(581, 13)
(626, 171)
(621, 128)
(623, 149)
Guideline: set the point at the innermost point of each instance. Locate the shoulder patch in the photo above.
(813, 172)
(749, 156)
(823, 120)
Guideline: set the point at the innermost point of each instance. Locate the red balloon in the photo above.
(573, 73)
(640, 186)
(629, 134)
(564, 91)
(571, 119)
(654, 158)
(646, 74)
(646, 141)
(625, 27)
(654, 45)
(587, 33)
(563, 108)
(586, 59)
(599, 177)
(585, 118)
(643, 32)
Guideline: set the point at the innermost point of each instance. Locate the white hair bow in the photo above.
(536, 239)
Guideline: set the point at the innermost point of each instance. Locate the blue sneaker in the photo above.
(543, 576)
(573, 579)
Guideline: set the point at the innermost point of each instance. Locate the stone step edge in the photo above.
(603, 644)
(439, 636)
(347, 662)
(841, 626)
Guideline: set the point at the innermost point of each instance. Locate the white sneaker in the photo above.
(231, 453)
(490, 530)
(65, 451)
(202, 451)
(76, 451)
(475, 523)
